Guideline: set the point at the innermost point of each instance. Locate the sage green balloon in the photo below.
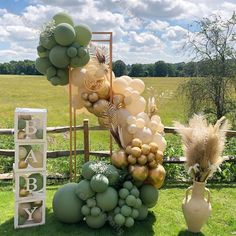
(83, 190)
(47, 42)
(64, 34)
(83, 34)
(63, 76)
(63, 17)
(58, 57)
(41, 49)
(149, 195)
(42, 64)
(51, 71)
(71, 51)
(142, 212)
(55, 80)
(79, 62)
(96, 222)
(66, 205)
(21, 124)
(82, 52)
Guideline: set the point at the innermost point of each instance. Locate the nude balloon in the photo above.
(144, 116)
(160, 141)
(137, 106)
(78, 76)
(138, 85)
(119, 85)
(127, 78)
(122, 115)
(160, 128)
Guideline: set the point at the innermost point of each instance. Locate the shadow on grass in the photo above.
(54, 227)
(188, 233)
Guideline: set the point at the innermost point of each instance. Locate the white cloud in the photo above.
(144, 31)
(157, 25)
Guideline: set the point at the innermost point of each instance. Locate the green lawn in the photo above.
(36, 91)
(165, 219)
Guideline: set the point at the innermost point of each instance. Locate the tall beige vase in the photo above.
(196, 208)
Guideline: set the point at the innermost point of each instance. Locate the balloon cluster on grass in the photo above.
(62, 45)
(103, 196)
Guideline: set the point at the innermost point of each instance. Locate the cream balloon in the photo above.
(153, 125)
(156, 118)
(125, 135)
(140, 123)
(77, 102)
(128, 100)
(138, 85)
(135, 95)
(160, 141)
(144, 116)
(145, 135)
(77, 77)
(160, 128)
(127, 78)
(131, 120)
(119, 85)
(128, 92)
(137, 106)
(132, 129)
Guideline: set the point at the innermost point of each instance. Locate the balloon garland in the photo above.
(121, 192)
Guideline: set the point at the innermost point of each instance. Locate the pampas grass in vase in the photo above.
(203, 145)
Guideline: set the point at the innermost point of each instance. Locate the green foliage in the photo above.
(119, 68)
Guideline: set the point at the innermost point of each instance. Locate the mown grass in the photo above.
(36, 91)
(165, 219)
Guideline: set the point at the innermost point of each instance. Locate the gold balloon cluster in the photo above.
(144, 162)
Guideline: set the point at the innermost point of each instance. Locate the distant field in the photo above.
(36, 91)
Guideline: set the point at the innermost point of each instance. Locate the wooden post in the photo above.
(86, 140)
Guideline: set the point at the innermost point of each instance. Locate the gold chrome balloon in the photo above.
(140, 173)
(156, 176)
(119, 159)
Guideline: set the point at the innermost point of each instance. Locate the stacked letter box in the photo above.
(30, 167)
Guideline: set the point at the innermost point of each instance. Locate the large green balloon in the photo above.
(107, 200)
(63, 76)
(64, 34)
(66, 205)
(63, 17)
(99, 183)
(83, 34)
(55, 80)
(42, 64)
(47, 42)
(96, 222)
(149, 195)
(58, 57)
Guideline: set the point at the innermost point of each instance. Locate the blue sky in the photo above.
(144, 31)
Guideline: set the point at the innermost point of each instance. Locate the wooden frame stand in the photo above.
(72, 111)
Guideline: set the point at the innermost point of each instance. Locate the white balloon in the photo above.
(132, 129)
(144, 116)
(119, 85)
(145, 135)
(131, 120)
(156, 118)
(160, 128)
(140, 123)
(138, 85)
(160, 141)
(136, 106)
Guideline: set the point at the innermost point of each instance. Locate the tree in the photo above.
(136, 70)
(119, 68)
(160, 69)
(214, 46)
